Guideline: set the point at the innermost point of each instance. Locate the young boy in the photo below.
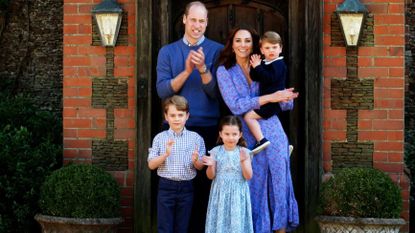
(271, 75)
(176, 154)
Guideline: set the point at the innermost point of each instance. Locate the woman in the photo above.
(274, 208)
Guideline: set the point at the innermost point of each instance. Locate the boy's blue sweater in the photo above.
(203, 99)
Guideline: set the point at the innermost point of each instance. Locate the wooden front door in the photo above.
(224, 15)
(298, 22)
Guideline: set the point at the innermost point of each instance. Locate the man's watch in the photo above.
(203, 70)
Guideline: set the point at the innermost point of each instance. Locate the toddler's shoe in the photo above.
(290, 148)
(261, 145)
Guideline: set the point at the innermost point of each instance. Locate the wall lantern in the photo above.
(352, 14)
(108, 15)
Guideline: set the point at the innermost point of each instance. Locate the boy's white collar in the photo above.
(269, 62)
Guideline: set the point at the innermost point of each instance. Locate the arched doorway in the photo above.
(298, 22)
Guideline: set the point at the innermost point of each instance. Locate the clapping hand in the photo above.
(208, 160)
(169, 146)
(189, 65)
(195, 154)
(198, 57)
(243, 155)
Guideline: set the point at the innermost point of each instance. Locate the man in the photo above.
(187, 67)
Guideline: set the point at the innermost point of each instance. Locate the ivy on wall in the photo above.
(31, 49)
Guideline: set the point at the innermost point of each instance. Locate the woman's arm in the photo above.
(240, 104)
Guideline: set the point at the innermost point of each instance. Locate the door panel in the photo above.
(228, 14)
(217, 30)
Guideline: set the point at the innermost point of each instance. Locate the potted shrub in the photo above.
(79, 198)
(360, 200)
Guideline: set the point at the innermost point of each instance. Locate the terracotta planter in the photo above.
(52, 224)
(335, 224)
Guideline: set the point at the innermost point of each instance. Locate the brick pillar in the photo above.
(99, 97)
(373, 133)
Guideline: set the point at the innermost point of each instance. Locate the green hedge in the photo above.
(361, 192)
(410, 164)
(410, 151)
(30, 145)
(19, 111)
(80, 191)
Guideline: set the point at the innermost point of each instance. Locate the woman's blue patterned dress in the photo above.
(229, 209)
(272, 195)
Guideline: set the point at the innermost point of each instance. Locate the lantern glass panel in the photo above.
(351, 24)
(108, 26)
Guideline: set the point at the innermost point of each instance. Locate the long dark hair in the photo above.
(231, 121)
(227, 56)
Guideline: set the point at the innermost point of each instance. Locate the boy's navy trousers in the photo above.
(174, 205)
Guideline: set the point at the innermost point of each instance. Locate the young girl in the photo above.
(229, 166)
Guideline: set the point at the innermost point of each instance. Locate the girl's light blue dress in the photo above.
(229, 209)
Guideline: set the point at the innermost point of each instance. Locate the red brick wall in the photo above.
(82, 123)
(384, 63)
